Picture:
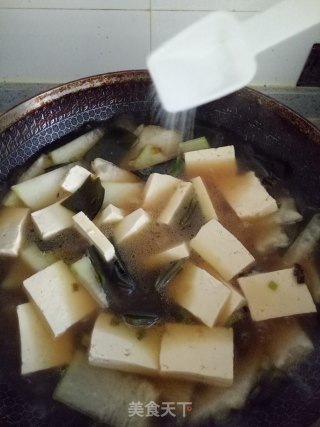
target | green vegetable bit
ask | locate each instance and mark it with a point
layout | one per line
(143, 320)
(194, 145)
(188, 213)
(273, 285)
(168, 273)
(178, 166)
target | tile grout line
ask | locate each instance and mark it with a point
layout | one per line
(130, 10)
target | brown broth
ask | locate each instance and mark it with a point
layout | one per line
(249, 337)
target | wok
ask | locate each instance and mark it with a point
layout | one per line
(291, 146)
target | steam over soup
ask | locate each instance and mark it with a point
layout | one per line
(154, 270)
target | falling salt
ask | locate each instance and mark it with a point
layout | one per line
(182, 121)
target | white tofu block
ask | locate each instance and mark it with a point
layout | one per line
(200, 293)
(59, 297)
(276, 294)
(110, 215)
(175, 253)
(157, 190)
(176, 203)
(12, 225)
(220, 160)
(119, 347)
(131, 225)
(205, 203)
(43, 190)
(39, 349)
(221, 249)
(217, 402)
(247, 196)
(35, 259)
(109, 172)
(92, 233)
(52, 220)
(75, 178)
(198, 353)
(124, 195)
(235, 301)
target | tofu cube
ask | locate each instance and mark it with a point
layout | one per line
(131, 225)
(200, 293)
(110, 215)
(180, 251)
(198, 353)
(157, 190)
(12, 225)
(52, 220)
(176, 203)
(235, 301)
(205, 203)
(59, 297)
(39, 349)
(276, 294)
(95, 236)
(217, 402)
(215, 161)
(75, 178)
(124, 195)
(221, 250)
(117, 346)
(247, 196)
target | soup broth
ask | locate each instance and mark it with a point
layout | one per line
(271, 346)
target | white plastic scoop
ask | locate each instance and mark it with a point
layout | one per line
(216, 55)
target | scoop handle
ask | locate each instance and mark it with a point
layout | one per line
(279, 22)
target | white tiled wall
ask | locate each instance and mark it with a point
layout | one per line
(166, 23)
(60, 45)
(230, 5)
(61, 40)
